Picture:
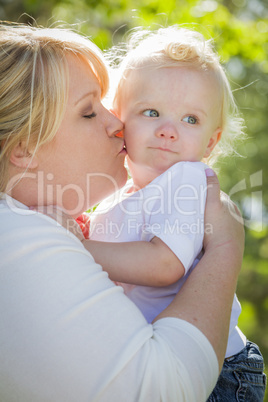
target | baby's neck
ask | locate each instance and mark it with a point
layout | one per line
(141, 179)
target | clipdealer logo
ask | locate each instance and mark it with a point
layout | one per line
(252, 206)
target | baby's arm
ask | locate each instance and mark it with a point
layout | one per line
(139, 263)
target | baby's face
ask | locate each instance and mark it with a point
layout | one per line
(171, 114)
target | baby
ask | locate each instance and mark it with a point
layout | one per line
(176, 103)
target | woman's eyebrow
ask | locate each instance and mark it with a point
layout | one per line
(92, 93)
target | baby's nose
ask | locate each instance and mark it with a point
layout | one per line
(167, 131)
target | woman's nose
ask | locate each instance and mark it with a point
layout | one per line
(114, 125)
(167, 131)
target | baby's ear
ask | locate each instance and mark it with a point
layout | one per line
(22, 158)
(213, 141)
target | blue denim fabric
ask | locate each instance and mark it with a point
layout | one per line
(241, 378)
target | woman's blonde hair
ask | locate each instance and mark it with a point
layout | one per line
(174, 47)
(34, 84)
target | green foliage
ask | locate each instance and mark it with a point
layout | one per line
(240, 30)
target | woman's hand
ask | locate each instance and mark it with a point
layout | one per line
(206, 298)
(223, 222)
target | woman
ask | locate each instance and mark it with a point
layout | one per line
(67, 333)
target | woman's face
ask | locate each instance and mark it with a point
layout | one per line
(85, 161)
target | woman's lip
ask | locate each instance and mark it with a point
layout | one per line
(123, 150)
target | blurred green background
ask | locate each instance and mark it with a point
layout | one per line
(240, 29)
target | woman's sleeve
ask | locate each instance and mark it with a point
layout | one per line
(69, 334)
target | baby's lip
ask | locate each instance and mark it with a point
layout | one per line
(164, 149)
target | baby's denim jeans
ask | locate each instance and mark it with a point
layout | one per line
(242, 377)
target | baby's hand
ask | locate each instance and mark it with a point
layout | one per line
(61, 217)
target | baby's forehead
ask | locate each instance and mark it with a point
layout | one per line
(141, 84)
(144, 70)
(152, 78)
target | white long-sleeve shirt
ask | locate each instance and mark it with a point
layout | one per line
(68, 334)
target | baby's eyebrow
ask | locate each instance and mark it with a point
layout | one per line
(143, 102)
(201, 111)
(195, 109)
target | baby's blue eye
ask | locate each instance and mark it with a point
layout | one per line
(190, 119)
(151, 113)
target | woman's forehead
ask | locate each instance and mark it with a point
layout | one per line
(82, 80)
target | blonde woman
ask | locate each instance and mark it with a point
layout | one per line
(67, 332)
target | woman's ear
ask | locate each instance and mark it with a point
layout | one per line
(22, 158)
(213, 141)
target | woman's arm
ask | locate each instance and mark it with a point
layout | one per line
(206, 298)
(208, 292)
(70, 334)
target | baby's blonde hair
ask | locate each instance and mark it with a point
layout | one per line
(178, 47)
(34, 84)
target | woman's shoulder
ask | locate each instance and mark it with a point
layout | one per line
(21, 227)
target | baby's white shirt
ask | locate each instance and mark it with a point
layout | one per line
(172, 208)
